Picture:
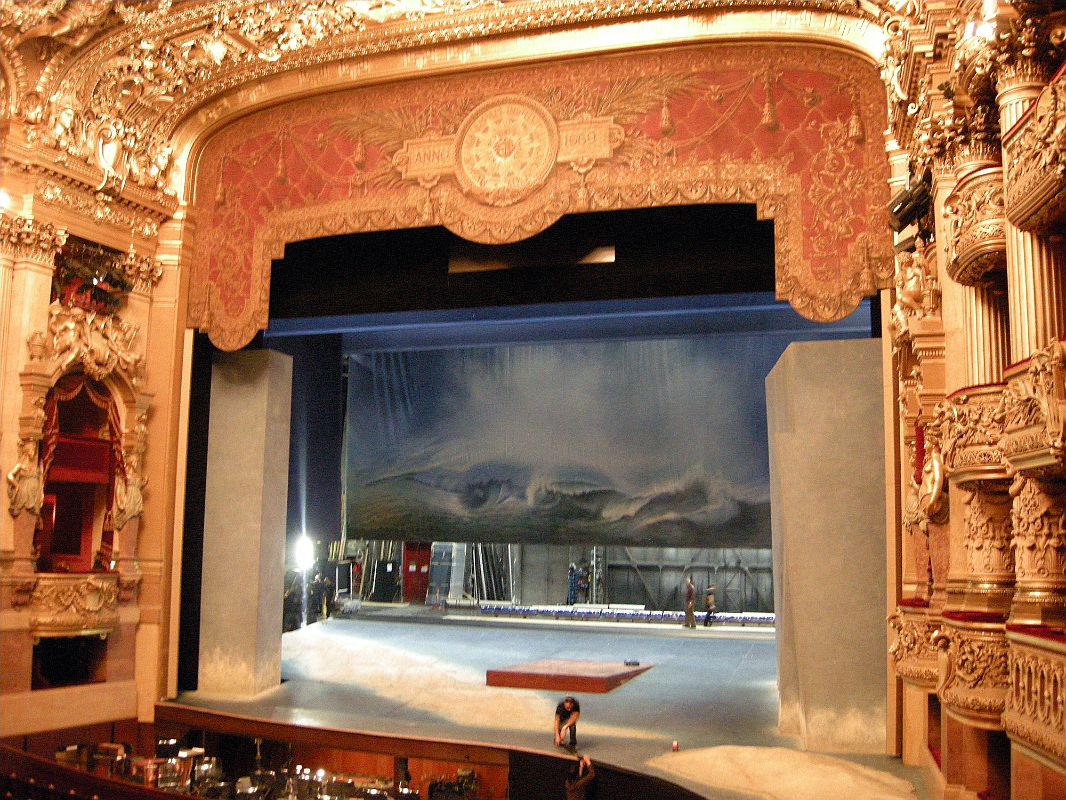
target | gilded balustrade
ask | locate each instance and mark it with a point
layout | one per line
(1035, 713)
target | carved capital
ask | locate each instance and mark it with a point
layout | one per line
(1027, 50)
(25, 239)
(1038, 518)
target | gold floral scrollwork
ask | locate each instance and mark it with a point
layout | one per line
(912, 651)
(72, 605)
(977, 243)
(1034, 431)
(973, 426)
(989, 553)
(24, 238)
(99, 343)
(1035, 710)
(975, 677)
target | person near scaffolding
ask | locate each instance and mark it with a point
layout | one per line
(571, 584)
(712, 606)
(690, 603)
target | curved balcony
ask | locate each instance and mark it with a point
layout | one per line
(1035, 153)
(60, 604)
(1035, 714)
(972, 431)
(978, 238)
(1034, 426)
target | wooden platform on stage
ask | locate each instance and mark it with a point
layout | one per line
(561, 675)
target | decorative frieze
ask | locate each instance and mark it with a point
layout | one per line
(988, 544)
(1035, 713)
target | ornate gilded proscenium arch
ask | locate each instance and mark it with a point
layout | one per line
(500, 156)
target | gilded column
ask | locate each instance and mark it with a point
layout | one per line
(1035, 264)
(1035, 274)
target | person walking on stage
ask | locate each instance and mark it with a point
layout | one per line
(577, 782)
(690, 603)
(712, 607)
(566, 715)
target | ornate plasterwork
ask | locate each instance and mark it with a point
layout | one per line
(99, 207)
(1039, 525)
(1036, 162)
(989, 556)
(73, 605)
(917, 292)
(977, 238)
(1035, 710)
(97, 343)
(678, 127)
(972, 427)
(1034, 430)
(115, 102)
(23, 238)
(976, 676)
(913, 652)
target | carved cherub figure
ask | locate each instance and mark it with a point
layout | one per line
(75, 23)
(129, 491)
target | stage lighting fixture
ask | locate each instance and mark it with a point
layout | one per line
(305, 553)
(908, 205)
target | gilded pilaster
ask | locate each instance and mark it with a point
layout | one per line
(30, 248)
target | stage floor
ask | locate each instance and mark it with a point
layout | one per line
(713, 690)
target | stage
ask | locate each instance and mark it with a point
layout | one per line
(417, 672)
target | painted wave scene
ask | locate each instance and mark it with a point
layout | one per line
(642, 442)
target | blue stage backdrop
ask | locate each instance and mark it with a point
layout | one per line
(643, 442)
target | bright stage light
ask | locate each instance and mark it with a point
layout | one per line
(304, 552)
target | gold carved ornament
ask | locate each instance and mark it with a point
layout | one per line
(912, 651)
(1039, 531)
(1034, 433)
(407, 169)
(1035, 711)
(71, 605)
